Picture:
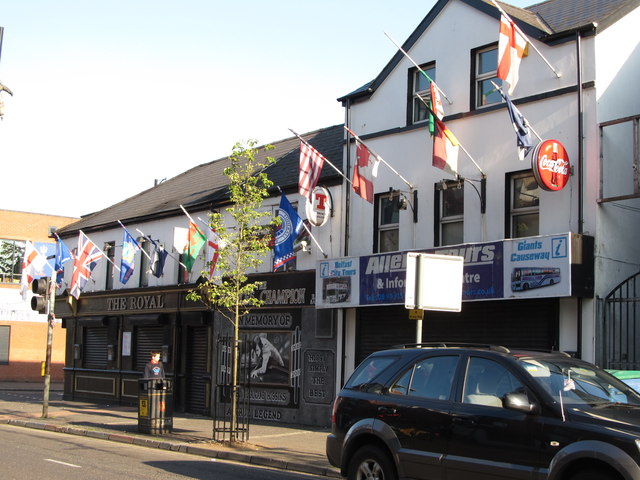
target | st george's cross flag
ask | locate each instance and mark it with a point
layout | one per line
(512, 46)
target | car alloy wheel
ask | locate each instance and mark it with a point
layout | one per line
(371, 463)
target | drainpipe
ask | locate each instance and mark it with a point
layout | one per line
(347, 199)
(579, 168)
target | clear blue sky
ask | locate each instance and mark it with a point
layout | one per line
(109, 96)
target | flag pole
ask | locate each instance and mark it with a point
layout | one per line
(168, 254)
(325, 158)
(139, 247)
(101, 252)
(418, 67)
(459, 143)
(379, 158)
(308, 231)
(503, 96)
(558, 75)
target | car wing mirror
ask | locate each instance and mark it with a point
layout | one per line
(519, 402)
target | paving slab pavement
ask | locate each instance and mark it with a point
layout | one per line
(289, 447)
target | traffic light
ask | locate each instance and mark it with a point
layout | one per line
(40, 301)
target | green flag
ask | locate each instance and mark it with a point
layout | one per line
(196, 240)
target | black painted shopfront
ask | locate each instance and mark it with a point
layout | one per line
(110, 336)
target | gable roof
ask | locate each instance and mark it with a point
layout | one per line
(544, 21)
(206, 186)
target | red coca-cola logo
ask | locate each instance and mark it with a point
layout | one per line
(551, 167)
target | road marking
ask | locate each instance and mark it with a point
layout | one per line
(62, 463)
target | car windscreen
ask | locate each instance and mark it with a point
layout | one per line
(576, 383)
(369, 370)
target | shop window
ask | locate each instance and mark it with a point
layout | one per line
(450, 212)
(485, 68)
(524, 205)
(419, 88)
(110, 252)
(11, 256)
(5, 336)
(387, 223)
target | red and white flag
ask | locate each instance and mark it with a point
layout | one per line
(445, 149)
(214, 244)
(512, 46)
(33, 266)
(311, 163)
(83, 263)
(364, 171)
(436, 101)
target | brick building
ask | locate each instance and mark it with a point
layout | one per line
(23, 332)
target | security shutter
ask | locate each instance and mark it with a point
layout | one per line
(5, 335)
(148, 339)
(527, 323)
(95, 347)
(197, 374)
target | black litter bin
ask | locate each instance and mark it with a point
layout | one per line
(155, 405)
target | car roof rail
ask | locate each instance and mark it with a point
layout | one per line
(497, 348)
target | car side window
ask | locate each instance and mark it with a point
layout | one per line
(429, 378)
(487, 382)
(368, 370)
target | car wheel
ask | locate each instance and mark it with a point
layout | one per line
(371, 463)
(597, 474)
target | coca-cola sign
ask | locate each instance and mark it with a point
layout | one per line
(550, 163)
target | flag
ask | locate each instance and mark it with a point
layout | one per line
(445, 149)
(512, 46)
(63, 255)
(129, 249)
(195, 241)
(83, 264)
(311, 163)
(364, 171)
(214, 244)
(180, 239)
(435, 106)
(158, 258)
(289, 228)
(521, 126)
(33, 266)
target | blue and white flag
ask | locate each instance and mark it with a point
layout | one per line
(129, 249)
(63, 255)
(289, 228)
(520, 125)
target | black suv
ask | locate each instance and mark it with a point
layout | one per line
(468, 412)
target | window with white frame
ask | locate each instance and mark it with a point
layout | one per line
(387, 223)
(450, 212)
(5, 336)
(485, 70)
(524, 205)
(11, 256)
(620, 158)
(420, 92)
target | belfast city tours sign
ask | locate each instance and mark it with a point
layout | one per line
(550, 163)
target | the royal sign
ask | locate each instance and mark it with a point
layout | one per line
(550, 163)
(318, 206)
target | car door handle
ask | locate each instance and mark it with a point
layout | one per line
(387, 411)
(464, 421)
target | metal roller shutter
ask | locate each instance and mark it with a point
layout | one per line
(148, 339)
(198, 377)
(95, 347)
(527, 323)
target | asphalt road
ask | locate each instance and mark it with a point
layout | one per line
(33, 454)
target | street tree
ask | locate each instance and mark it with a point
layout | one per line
(244, 231)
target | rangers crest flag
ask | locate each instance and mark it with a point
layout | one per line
(289, 228)
(83, 263)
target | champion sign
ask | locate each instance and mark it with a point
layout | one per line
(550, 163)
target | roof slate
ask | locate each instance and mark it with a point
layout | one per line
(206, 185)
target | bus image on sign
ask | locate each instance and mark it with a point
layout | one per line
(532, 277)
(337, 291)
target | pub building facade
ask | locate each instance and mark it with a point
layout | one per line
(113, 328)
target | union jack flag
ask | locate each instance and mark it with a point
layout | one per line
(83, 262)
(311, 163)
